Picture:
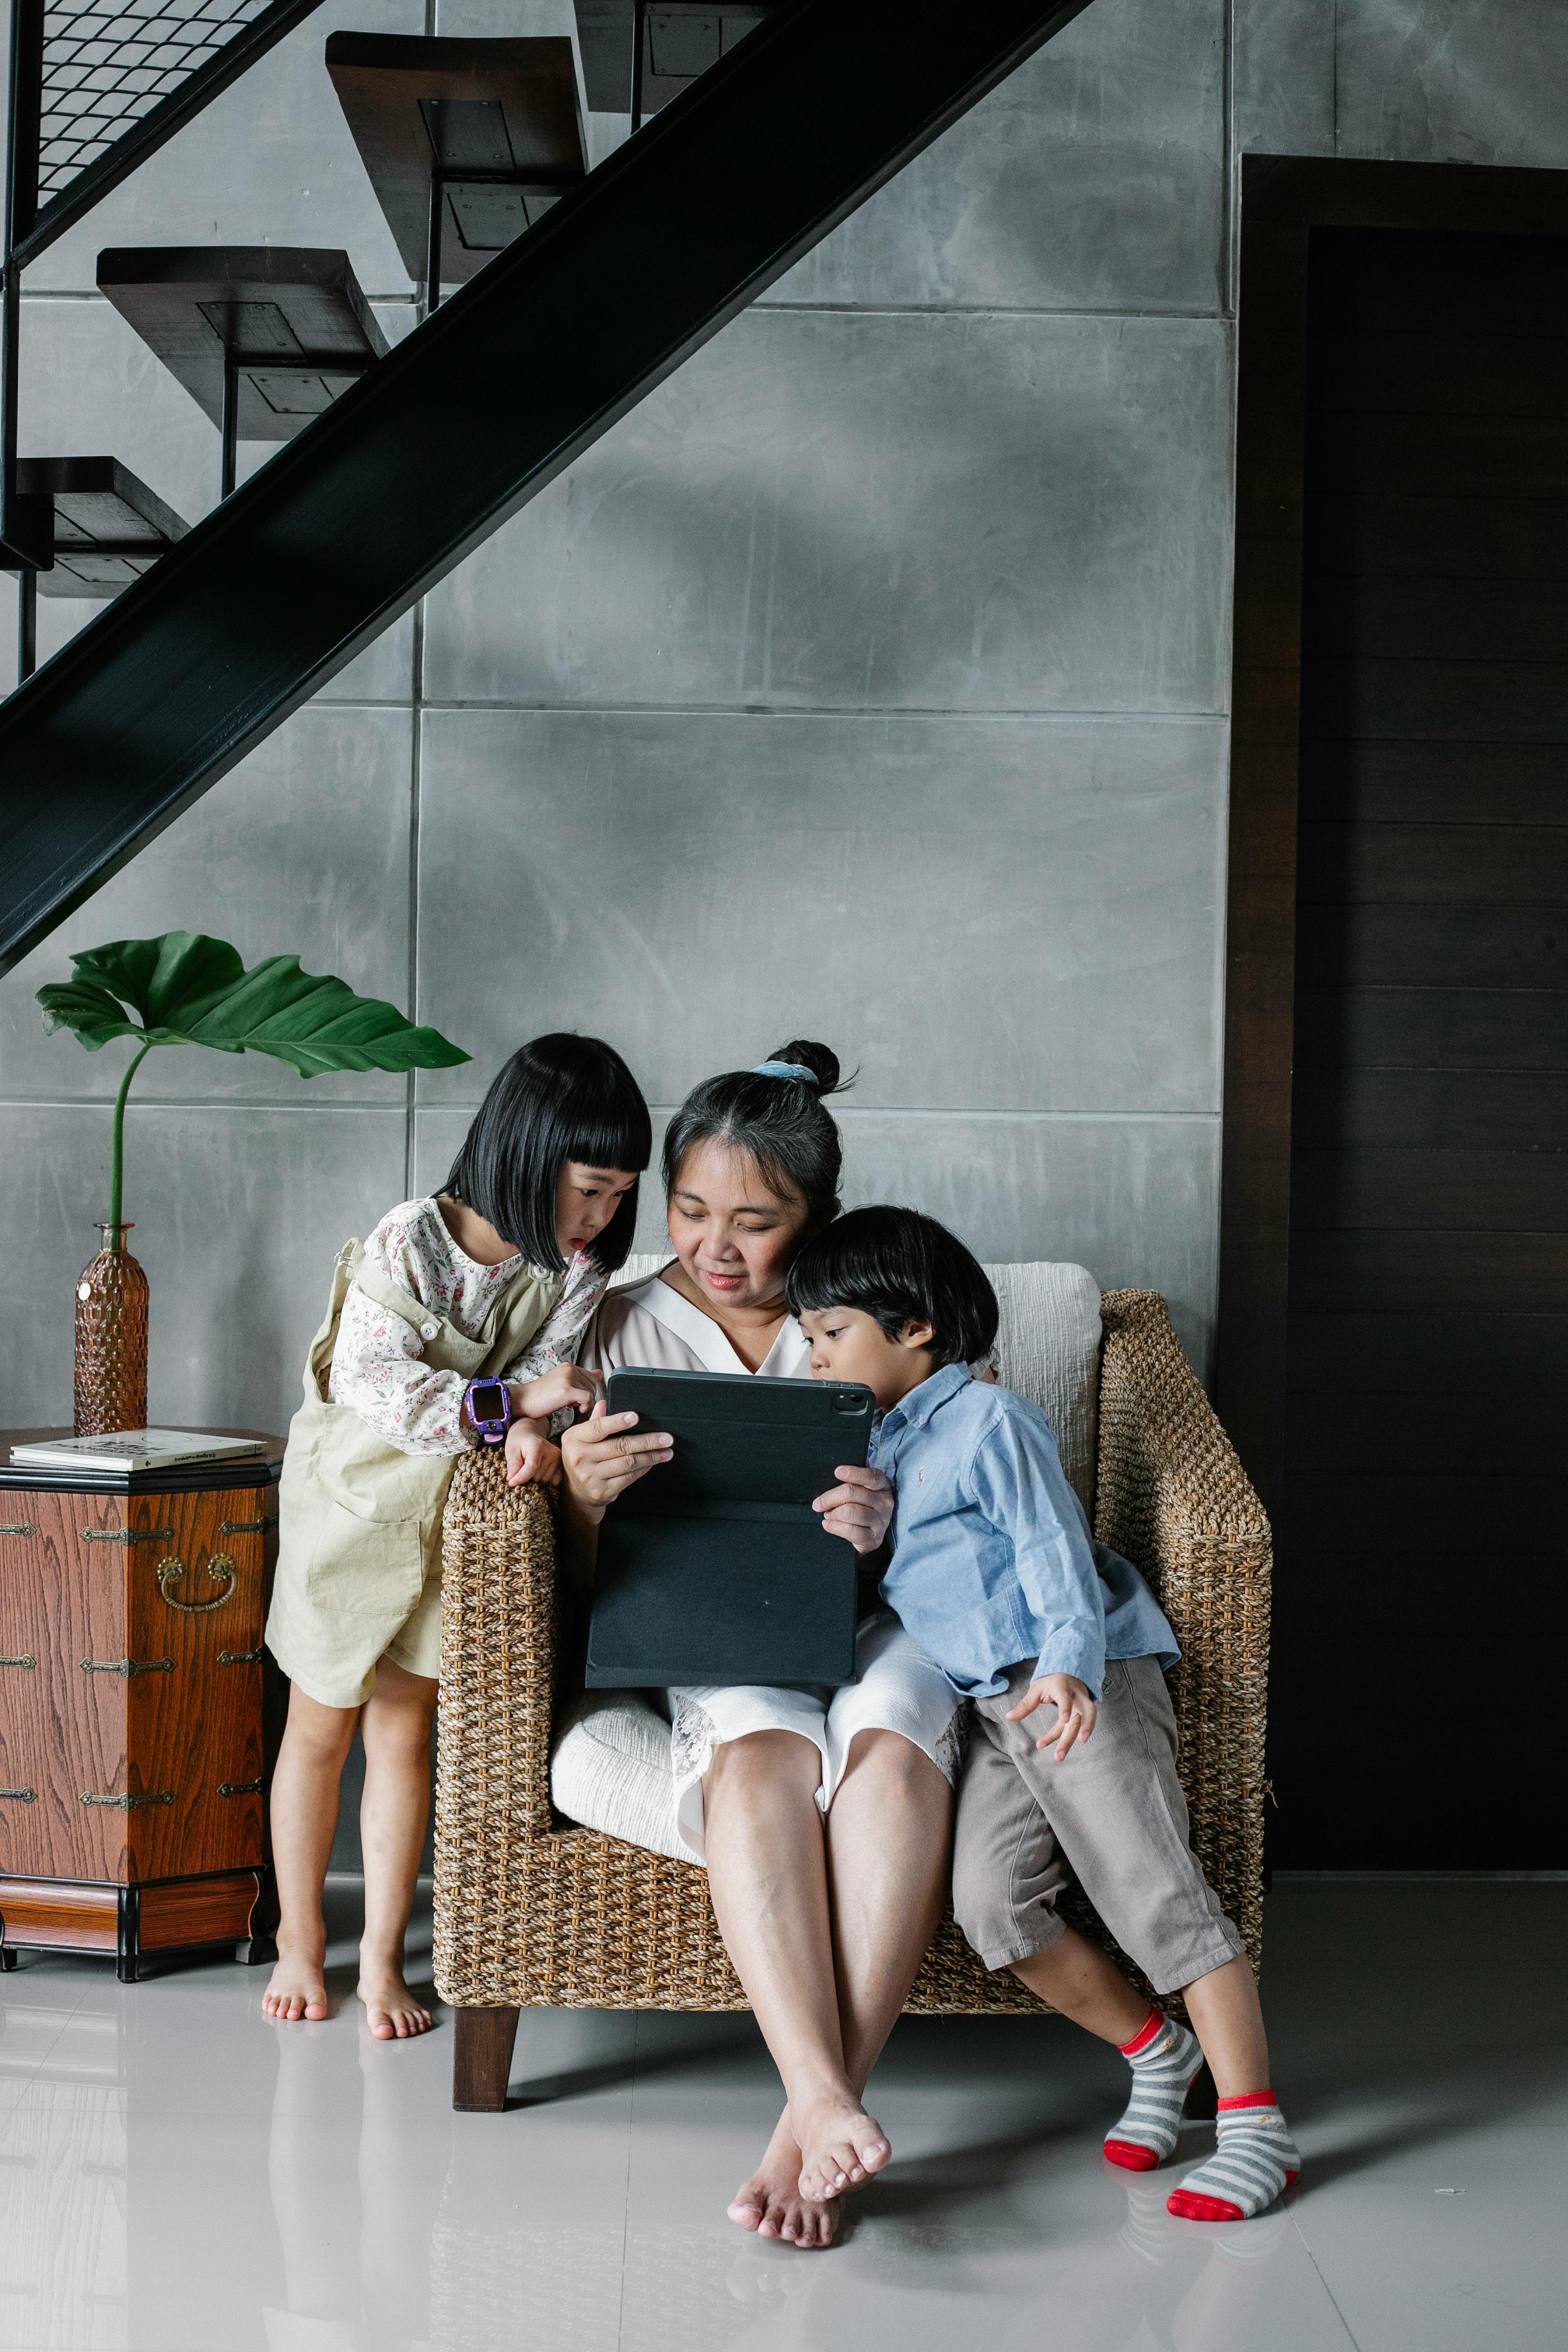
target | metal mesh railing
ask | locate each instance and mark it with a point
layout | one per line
(107, 64)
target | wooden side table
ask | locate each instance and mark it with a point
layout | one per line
(132, 1759)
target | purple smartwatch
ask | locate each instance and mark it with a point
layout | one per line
(488, 1404)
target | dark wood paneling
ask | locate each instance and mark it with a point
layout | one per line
(1354, 617)
(1501, 1110)
(1348, 782)
(1478, 293)
(1517, 375)
(1392, 1273)
(1382, 945)
(1450, 1352)
(1514, 1191)
(1390, 458)
(1469, 1436)
(1431, 1028)
(1473, 457)
(1497, 702)
(1517, 865)
(1515, 539)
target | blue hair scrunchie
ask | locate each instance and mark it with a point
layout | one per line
(795, 1070)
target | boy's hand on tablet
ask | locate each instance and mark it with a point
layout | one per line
(1076, 1711)
(861, 1510)
(602, 1458)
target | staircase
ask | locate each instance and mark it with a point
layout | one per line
(617, 279)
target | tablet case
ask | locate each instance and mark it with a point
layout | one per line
(714, 1569)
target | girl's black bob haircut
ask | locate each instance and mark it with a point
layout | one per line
(779, 1123)
(560, 1097)
(900, 1267)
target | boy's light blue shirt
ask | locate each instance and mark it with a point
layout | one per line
(993, 1558)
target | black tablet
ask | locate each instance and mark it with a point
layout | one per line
(714, 1569)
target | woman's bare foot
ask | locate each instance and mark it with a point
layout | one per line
(391, 2009)
(840, 2145)
(771, 2204)
(298, 1987)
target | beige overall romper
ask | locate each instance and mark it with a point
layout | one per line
(359, 1556)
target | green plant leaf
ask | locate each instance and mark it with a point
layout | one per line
(185, 989)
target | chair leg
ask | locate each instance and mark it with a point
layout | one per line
(481, 2062)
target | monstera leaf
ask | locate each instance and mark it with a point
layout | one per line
(187, 990)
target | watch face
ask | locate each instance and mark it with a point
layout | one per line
(487, 1400)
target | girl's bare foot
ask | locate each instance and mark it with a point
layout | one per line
(840, 2146)
(771, 2204)
(298, 1987)
(391, 2009)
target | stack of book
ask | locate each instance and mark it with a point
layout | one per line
(137, 1457)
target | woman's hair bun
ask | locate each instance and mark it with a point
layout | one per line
(820, 1059)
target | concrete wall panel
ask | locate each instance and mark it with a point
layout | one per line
(237, 1216)
(1460, 82)
(1092, 179)
(303, 850)
(1001, 913)
(851, 511)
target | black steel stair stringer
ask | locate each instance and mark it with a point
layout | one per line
(470, 416)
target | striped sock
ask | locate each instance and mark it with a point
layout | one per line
(1164, 2058)
(1256, 2161)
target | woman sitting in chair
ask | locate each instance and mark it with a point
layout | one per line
(824, 1817)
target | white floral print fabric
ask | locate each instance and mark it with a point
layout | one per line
(377, 1366)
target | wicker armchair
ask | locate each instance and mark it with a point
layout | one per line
(530, 1911)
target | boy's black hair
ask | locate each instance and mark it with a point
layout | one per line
(900, 1267)
(560, 1097)
(780, 1122)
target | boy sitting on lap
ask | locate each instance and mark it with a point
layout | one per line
(994, 1572)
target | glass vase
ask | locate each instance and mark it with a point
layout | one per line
(111, 1341)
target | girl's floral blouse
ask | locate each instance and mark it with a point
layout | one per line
(376, 1365)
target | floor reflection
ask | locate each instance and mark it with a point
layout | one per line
(64, 2248)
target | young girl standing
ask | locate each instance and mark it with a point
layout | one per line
(452, 1327)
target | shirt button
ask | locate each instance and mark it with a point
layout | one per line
(428, 1330)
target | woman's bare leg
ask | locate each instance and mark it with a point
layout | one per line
(393, 1813)
(768, 1876)
(889, 1834)
(305, 1787)
(887, 1843)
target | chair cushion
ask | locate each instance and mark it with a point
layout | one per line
(610, 1769)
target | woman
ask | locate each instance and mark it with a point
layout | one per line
(824, 1818)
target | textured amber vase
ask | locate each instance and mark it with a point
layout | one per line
(111, 1341)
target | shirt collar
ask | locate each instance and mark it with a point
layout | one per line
(919, 1405)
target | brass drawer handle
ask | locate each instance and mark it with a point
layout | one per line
(127, 1804)
(240, 1657)
(242, 1526)
(23, 1796)
(17, 1527)
(240, 1788)
(128, 1666)
(28, 1662)
(220, 1568)
(128, 1535)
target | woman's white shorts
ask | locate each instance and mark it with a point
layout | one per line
(896, 1688)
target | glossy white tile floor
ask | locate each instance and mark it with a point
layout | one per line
(176, 2173)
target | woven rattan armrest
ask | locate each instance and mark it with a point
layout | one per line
(1173, 1498)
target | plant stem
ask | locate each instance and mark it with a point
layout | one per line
(119, 1164)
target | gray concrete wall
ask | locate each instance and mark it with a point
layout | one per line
(870, 681)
